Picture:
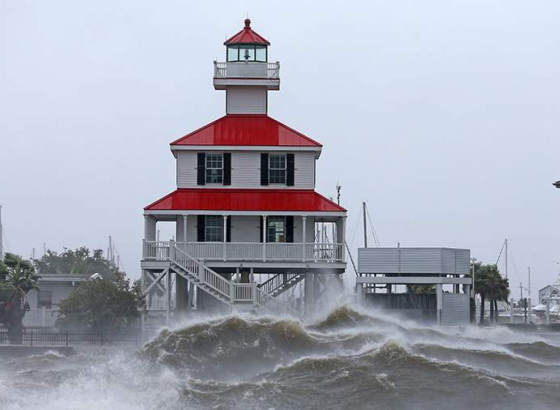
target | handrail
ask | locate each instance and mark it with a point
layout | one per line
(201, 272)
(273, 305)
(277, 281)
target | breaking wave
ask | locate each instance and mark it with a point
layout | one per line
(349, 358)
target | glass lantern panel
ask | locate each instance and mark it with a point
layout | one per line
(261, 53)
(233, 53)
(247, 51)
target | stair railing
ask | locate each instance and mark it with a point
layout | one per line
(201, 272)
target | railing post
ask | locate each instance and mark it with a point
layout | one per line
(232, 292)
(304, 225)
(172, 250)
(225, 238)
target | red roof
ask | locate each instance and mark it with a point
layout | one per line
(279, 200)
(247, 130)
(247, 36)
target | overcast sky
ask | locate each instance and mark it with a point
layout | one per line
(442, 115)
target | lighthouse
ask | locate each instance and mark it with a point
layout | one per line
(251, 232)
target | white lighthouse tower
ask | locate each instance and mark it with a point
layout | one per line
(249, 224)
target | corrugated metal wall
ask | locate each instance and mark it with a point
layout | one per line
(455, 309)
(414, 260)
(246, 100)
(246, 171)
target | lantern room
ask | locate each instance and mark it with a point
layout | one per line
(247, 65)
(247, 46)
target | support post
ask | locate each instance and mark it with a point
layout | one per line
(511, 320)
(439, 300)
(309, 292)
(225, 238)
(547, 313)
(304, 237)
(185, 226)
(264, 229)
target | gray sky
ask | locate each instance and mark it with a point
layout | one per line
(443, 115)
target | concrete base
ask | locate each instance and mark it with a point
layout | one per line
(25, 351)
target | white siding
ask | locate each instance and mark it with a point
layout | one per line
(246, 100)
(246, 171)
(186, 169)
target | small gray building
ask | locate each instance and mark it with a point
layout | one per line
(422, 283)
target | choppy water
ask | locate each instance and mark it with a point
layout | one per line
(349, 360)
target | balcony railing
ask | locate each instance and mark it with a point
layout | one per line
(270, 71)
(247, 251)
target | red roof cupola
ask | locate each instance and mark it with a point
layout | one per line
(247, 36)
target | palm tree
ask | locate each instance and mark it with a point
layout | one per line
(19, 278)
(491, 286)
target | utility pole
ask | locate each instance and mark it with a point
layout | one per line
(529, 287)
(506, 258)
(365, 224)
(1, 236)
(338, 187)
(521, 290)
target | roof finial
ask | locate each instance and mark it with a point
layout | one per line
(247, 22)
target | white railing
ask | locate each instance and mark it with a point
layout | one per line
(250, 251)
(156, 250)
(243, 292)
(249, 69)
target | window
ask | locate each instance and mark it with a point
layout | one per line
(277, 169)
(44, 299)
(214, 228)
(276, 229)
(214, 168)
(253, 52)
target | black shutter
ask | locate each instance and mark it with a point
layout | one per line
(290, 229)
(201, 169)
(264, 169)
(200, 228)
(290, 171)
(227, 168)
(228, 234)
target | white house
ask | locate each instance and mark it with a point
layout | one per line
(44, 302)
(249, 223)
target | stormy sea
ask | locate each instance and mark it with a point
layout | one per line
(348, 359)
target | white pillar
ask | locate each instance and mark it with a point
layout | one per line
(185, 226)
(225, 238)
(439, 300)
(168, 296)
(304, 238)
(265, 228)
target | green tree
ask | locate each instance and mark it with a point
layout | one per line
(107, 304)
(18, 278)
(79, 261)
